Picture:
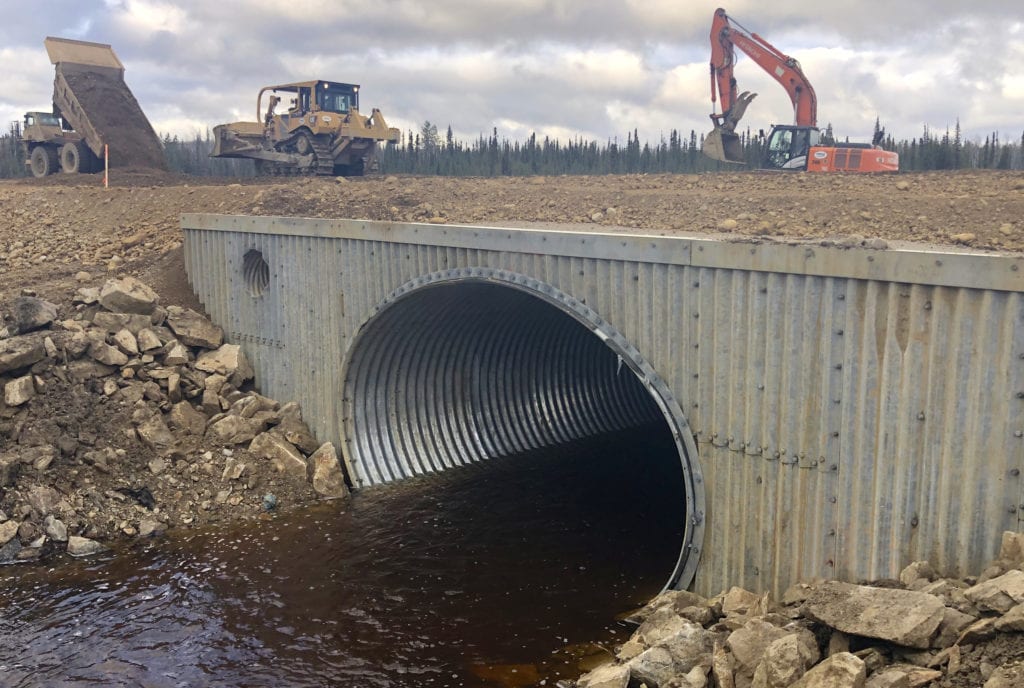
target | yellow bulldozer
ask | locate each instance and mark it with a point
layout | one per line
(320, 133)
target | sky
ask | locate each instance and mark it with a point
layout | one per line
(560, 68)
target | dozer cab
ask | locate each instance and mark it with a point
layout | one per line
(320, 133)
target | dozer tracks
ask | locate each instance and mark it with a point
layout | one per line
(324, 163)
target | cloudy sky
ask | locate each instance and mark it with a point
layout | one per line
(596, 68)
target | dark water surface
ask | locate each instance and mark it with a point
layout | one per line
(488, 575)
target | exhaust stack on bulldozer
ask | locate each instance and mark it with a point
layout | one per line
(321, 133)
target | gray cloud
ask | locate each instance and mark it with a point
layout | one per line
(598, 68)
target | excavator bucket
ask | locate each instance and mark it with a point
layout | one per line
(723, 146)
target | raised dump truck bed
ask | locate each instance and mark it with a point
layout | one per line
(91, 95)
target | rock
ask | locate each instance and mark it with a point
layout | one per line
(115, 322)
(149, 527)
(83, 547)
(998, 594)
(1011, 621)
(653, 667)
(43, 500)
(10, 467)
(183, 416)
(55, 529)
(155, 434)
(797, 594)
(297, 432)
(285, 457)
(1011, 550)
(82, 276)
(233, 430)
(916, 571)
(126, 342)
(88, 369)
(839, 671)
(194, 329)
(903, 617)
(148, 340)
(877, 244)
(607, 676)
(902, 185)
(739, 602)
(157, 466)
(728, 225)
(128, 295)
(233, 469)
(889, 678)
(328, 480)
(749, 643)
(229, 360)
(19, 391)
(963, 237)
(978, 632)
(106, 354)
(177, 355)
(952, 625)
(31, 313)
(1007, 676)
(8, 530)
(785, 660)
(20, 352)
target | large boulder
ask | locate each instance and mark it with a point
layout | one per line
(20, 352)
(31, 313)
(229, 360)
(194, 329)
(233, 430)
(998, 594)
(903, 617)
(841, 670)
(128, 295)
(83, 547)
(328, 480)
(285, 457)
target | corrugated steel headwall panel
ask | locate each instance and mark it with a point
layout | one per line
(854, 411)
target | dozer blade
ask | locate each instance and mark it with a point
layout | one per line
(723, 146)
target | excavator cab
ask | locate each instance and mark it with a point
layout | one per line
(787, 147)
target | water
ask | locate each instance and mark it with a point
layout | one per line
(497, 574)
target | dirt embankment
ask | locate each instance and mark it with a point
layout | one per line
(55, 227)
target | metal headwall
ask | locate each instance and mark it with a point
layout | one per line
(838, 412)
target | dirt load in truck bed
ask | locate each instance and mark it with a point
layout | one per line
(55, 227)
(115, 114)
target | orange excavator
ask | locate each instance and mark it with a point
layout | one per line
(789, 147)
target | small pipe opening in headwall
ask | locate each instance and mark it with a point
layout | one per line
(459, 372)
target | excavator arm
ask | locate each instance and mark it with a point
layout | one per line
(726, 36)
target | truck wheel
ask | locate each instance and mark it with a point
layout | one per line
(75, 158)
(43, 161)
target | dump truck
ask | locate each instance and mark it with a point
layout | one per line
(321, 132)
(93, 109)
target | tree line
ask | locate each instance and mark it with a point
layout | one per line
(425, 152)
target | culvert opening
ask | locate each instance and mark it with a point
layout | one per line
(458, 371)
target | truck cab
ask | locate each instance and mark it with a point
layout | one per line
(41, 126)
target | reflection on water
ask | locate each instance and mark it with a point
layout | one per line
(489, 575)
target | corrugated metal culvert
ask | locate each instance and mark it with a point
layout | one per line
(839, 413)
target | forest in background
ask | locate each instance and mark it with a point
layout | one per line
(426, 152)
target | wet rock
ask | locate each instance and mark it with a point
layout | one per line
(903, 617)
(31, 313)
(840, 671)
(128, 295)
(8, 530)
(285, 457)
(55, 529)
(607, 676)
(149, 527)
(20, 352)
(194, 329)
(83, 547)
(233, 430)
(328, 480)
(998, 594)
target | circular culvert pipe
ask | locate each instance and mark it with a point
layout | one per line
(471, 364)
